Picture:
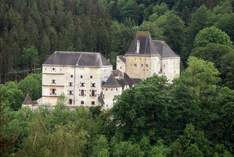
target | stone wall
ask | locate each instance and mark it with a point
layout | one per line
(142, 67)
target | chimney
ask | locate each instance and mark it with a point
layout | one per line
(138, 47)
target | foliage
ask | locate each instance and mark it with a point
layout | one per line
(31, 85)
(193, 116)
(212, 35)
(222, 56)
(11, 95)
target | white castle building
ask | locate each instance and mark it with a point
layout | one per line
(88, 79)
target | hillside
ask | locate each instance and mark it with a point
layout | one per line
(190, 117)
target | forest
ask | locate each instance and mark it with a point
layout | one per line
(191, 117)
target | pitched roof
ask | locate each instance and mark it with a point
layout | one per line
(112, 82)
(77, 59)
(144, 45)
(122, 58)
(163, 49)
(28, 100)
(118, 79)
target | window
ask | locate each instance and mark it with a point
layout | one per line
(71, 76)
(135, 65)
(93, 93)
(53, 69)
(93, 102)
(81, 92)
(70, 101)
(82, 84)
(91, 76)
(53, 91)
(53, 81)
(93, 85)
(146, 65)
(142, 65)
(82, 102)
(81, 76)
(70, 84)
(70, 92)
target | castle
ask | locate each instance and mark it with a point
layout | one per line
(88, 79)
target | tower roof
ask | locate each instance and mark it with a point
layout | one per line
(143, 44)
(77, 59)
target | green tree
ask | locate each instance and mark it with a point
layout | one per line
(191, 143)
(226, 24)
(143, 110)
(101, 147)
(211, 35)
(123, 149)
(193, 151)
(222, 56)
(159, 150)
(11, 95)
(30, 57)
(31, 85)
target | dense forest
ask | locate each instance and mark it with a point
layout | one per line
(191, 117)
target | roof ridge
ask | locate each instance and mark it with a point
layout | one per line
(82, 52)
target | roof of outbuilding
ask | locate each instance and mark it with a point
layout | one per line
(118, 79)
(77, 59)
(147, 46)
(28, 100)
(122, 58)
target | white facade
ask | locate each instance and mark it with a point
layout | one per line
(84, 77)
(81, 85)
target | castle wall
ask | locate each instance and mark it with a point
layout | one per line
(70, 81)
(120, 64)
(171, 68)
(57, 78)
(142, 67)
(109, 94)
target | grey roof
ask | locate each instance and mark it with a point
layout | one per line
(77, 59)
(28, 100)
(122, 58)
(118, 79)
(163, 49)
(149, 46)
